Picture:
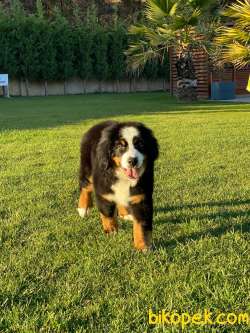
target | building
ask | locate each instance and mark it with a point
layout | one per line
(205, 75)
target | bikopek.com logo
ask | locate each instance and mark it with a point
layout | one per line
(206, 317)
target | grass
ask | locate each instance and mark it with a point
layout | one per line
(59, 273)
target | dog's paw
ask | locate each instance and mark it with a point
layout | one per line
(110, 232)
(148, 249)
(145, 250)
(83, 212)
(127, 217)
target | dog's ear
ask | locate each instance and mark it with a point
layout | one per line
(154, 146)
(105, 147)
(152, 143)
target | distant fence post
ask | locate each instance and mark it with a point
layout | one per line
(4, 82)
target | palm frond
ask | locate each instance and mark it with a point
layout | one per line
(139, 30)
(139, 53)
(234, 42)
(230, 34)
(202, 4)
(237, 54)
(239, 11)
(188, 19)
(158, 10)
(153, 37)
(170, 23)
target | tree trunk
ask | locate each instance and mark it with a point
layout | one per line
(186, 78)
(84, 86)
(99, 86)
(20, 86)
(64, 88)
(46, 88)
(26, 86)
(117, 86)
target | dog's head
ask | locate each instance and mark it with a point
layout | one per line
(128, 147)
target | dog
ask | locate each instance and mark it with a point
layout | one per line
(117, 163)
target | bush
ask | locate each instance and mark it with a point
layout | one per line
(83, 52)
(100, 55)
(35, 48)
(64, 48)
(118, 43)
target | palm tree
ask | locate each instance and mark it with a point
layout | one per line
(234, 41)
(180, 25)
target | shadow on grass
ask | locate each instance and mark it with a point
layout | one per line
(224, 217)
(213, 232)
(47, 112)
(225, 214)
(203, 204)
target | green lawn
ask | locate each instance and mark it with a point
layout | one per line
(59, 273)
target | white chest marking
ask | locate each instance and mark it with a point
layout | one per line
(121, 190)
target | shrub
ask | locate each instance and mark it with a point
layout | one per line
(100, 55)
(33, 47)
(83, 52)
(118, 42)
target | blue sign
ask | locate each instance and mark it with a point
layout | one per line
(4, 80)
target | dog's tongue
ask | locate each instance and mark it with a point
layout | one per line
(132, 172)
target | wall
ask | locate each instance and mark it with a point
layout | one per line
(78, 86)
(239, 76)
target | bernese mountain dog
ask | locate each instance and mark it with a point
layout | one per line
(117, 163)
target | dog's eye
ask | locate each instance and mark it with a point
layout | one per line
(138, 143)
(122, 143)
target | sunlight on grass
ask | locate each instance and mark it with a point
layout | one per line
(59, 273)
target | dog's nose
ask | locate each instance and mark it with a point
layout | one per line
(132, 161)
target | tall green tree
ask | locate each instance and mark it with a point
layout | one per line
(35, 47)
(117, 43)
(47, 56)
(8, 47)
(83, 53)
(64, 45)
(100, 55)
(172, 24)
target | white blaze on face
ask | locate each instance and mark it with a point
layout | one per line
(128, 133)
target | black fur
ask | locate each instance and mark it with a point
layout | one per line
(97, 148)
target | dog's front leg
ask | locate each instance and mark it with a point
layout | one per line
(85, 200)
(142, 233)
(142, 225)
(108, 216)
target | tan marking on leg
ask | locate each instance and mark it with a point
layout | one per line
(135, 199)
(122, 211)
(142, 238)
(85, 200)
(109, 224)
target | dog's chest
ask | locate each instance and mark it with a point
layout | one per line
(121, 192)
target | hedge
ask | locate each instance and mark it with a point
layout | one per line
(34, 48)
